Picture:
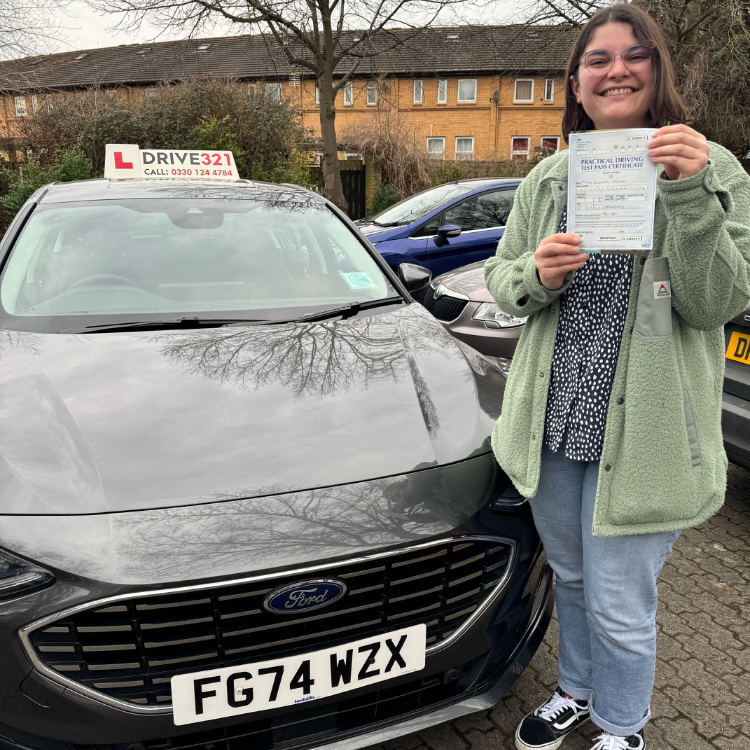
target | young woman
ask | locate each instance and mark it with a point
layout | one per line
(611, 421)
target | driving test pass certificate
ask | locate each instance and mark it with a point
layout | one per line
(611, 190)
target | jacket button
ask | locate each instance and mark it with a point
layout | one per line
(607, 467)
(541, 374)
(533, 437)
(621, 400)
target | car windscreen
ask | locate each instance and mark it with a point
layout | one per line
(89, 263)
(418, 206)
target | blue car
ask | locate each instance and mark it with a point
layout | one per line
(444, 227)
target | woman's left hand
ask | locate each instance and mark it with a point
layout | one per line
(682, 150)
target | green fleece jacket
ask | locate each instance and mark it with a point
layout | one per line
(663, 465)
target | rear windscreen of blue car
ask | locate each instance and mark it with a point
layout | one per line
(414, 208)
(185, 256)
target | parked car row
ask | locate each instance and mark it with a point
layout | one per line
(440, 230)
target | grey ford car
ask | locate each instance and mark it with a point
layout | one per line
(247, 495)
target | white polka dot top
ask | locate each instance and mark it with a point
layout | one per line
(589, 331)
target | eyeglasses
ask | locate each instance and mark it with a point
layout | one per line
(601, 60)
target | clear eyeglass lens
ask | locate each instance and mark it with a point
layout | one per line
(635, 58)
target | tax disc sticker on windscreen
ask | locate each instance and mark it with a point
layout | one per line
(358, 280)
(129, 162)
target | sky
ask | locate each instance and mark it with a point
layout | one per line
(85, 29)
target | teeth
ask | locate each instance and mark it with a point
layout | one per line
(612, 92)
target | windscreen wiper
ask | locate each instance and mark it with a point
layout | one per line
(346, 311)
(175, 323)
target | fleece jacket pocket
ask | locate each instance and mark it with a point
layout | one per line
(653, 319)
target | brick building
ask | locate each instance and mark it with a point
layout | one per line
(493, 92)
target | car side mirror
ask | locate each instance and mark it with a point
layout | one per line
(447, 230)
(414, 277)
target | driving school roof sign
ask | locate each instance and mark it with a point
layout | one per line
(129, 162)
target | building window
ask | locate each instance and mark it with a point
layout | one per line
(50, 105)
(274, 91)
(317, 94)
(442, 91)
(417, 92)
(152, 91)
(252, 88)
(524, 93)
(436, 148)
(34, 104)
(551, 142)
(318, 158)
(348, 94)
(20, 106)
(464, 148)
(467, 90)
(372, 92)
(519, 147)
(549, 90)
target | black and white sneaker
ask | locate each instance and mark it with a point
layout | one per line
(547, 726)
(613, 742)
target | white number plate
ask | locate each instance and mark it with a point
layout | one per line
(231, 691)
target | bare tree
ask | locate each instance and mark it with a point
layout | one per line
(26, 27)
(710, 46)
(330, 39)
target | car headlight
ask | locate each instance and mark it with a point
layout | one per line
(489, 311)
(19, 577)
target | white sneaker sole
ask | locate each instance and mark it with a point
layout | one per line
(521, 745)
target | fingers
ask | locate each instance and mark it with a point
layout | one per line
(696, 140)
(552, 249)
(565, 259)
(564, 237)
(671, 129)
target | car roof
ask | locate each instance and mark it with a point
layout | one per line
(481, 182)
(100, 189)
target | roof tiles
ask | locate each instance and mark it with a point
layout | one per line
(440, 50)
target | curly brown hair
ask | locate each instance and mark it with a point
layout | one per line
(666, 107)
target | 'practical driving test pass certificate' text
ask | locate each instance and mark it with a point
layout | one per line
(611, 190)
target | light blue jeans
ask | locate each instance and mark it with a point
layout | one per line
(606, 597)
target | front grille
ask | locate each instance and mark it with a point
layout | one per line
(444, 308)
(307, 725)
(130, 648)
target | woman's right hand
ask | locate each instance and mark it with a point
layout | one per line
(555, 256)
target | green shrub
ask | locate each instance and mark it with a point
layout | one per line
(260, 130)
(33, 174)
(385, 195)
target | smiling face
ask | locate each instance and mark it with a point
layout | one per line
(618, 97)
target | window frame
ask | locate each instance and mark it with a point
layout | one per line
(444, 100)
(20, 100)
(348, 88)
(527, 152)
(455, 147)
(458, 91)
(516, 100)
(417, 83)
(276, 89)
(549, 138)
(548, 82)
(317, 94)
(435, 138)
(372, 87)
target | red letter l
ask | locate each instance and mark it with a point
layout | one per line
(120, 164)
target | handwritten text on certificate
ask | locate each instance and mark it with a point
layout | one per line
(611, 190)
